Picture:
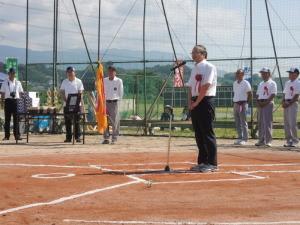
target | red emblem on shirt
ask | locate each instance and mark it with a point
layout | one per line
(198, 78)
(292, 90)
(266, 91)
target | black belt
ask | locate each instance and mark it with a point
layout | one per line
(288, 100)
(194, 98)
(110, 101)
(262, 100)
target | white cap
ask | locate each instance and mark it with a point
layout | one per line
(265, 70)
(293, 70)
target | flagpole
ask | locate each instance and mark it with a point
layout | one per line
(144, 66)
(26, 59)
(197, 13)
(99, 26)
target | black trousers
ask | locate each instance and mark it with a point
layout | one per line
(202, 118)
(10, 109)
(70, 120)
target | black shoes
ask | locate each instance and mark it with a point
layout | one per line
(105, 142)
(67, 140)
(5, 139)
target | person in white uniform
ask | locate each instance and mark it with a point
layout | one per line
(113, 87)
(266, 91)
(241, 96)
(11, 90)
(290, 107)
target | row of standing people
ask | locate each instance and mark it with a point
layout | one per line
(12, 89)
(266, 92)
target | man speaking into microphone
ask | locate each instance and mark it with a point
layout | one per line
(203, 85)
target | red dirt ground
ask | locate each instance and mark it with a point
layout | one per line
(252, 185)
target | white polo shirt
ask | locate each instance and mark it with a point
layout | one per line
(113, 88)
(9, 86)
(71, 87)
(291, 88)
(203, 73)
(240, 90)
(266, 89)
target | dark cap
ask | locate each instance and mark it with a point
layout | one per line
(112, 68)
(12, 70)
(293, 70)
(70, 69)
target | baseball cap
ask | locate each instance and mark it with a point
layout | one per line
(12, 70)
(265, 70)
(293, 70)
(70, 69)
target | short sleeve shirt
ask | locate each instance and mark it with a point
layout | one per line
(240, 90)
(203, 73)
(266, 89)
(9, 86)
(71, 87)
(291, 88)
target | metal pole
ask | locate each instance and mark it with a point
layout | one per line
(56, 38)
(82, 34)
(170, 36)
(197, 13)
(99, 26)
(273, 43)
(26, 57)
(54, 51)
(251, 69)
(144, 66)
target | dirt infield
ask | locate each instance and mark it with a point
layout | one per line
(49, 182)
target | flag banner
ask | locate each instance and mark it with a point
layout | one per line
(178, 76)
(101, 116)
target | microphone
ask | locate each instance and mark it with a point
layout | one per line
(179, 65)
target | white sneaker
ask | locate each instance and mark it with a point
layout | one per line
(269, 144)
(243, 143)
(237, 142)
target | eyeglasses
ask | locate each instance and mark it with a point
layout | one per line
(195, 53)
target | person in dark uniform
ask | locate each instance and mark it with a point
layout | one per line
(11, 90)
(203, 84)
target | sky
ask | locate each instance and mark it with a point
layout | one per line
(223, 26)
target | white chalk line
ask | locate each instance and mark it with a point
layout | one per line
(43, 165)
(53, 175)
(259, 165)
(68, 198)
(179, 222)
(143, 164)
(204, 181)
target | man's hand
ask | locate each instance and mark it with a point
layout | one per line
(285, 104)
(194, 104)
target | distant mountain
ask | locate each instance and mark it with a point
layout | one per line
(80, 55)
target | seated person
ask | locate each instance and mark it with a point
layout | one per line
(167, 114)
(186, 115)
